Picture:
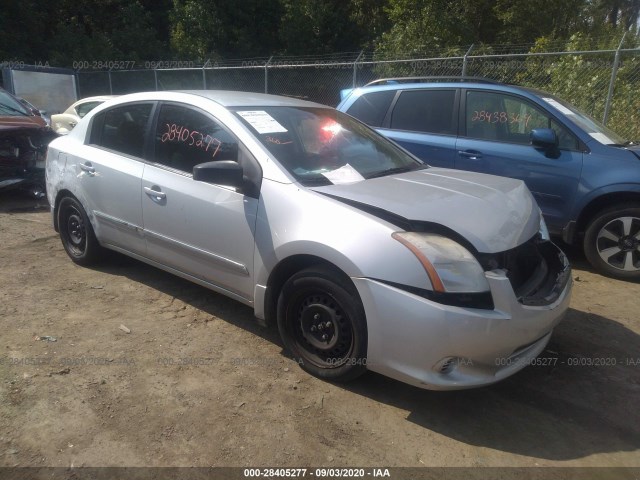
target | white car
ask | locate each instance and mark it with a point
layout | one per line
(364, 256)
(63, 123)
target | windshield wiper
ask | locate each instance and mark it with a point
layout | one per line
(391, 171)
(315, 181)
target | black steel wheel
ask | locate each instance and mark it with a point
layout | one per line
(321, 321)
(76, 232)
(612, 242)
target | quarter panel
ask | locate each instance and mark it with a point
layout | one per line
(292, 220)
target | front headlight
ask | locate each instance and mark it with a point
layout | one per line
(544, 231)
(449, 266)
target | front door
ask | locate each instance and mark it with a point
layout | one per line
(200, 229)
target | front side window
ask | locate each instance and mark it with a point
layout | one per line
(371, 108)
(428, 111)
(322, 146)
(505, 118)
(185, 138)
(122, 128)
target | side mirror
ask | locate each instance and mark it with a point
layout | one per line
(545, 138)
(223, 172)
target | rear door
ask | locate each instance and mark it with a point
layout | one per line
(495, 139)
(425, 123)
(200, 229)
(109, 174)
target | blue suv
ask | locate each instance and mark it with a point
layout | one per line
(585, 178)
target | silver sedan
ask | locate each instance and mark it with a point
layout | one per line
(365, 257)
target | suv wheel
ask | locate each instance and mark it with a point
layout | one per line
(612, 242)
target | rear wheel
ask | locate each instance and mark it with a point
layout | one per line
(321, 321)
(76, 232)
(612, 242)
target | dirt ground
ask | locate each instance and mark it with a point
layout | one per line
(197, 382)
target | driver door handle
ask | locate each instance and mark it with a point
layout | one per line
(470, 154)
(155, 194)
(87, 167)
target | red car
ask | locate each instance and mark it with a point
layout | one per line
(23, 144)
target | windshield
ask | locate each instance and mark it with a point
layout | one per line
(321, 146)
(590, 125)
(9, 106)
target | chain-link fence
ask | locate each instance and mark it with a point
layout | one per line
(602, 83)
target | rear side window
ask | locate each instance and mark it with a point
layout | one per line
(122, 128)
(371, 108)
(185, 138)
(429, 111)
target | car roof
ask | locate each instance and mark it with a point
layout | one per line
(98, 98)
(228, 98)
(224, 98)
(498, 87)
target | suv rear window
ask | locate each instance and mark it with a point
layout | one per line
(371, 108)
(429, 111)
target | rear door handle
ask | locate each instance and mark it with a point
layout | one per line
(470, 154)
(87, 167)
(155, 194)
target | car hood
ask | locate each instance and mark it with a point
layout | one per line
(493, 213)
(635, 149)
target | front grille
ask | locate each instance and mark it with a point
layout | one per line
(537, 270)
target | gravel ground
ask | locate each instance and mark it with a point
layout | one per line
(196, 382)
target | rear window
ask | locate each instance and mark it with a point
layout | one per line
(371, 108)
(428, 111)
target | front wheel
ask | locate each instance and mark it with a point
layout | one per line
(76, 232)
(612, 242)
(322, 322)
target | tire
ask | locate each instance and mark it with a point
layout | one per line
(612, 242)
(308, 301)
(76, 233)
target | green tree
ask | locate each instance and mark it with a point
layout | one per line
(423, 25)
(25, 27)
(109, 30)
(525, 22)
(204, 29)
(318, 27)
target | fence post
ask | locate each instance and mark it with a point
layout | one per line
(155, 77)
(266, 75)
(614, 73)
(355, 67)
(110, 84)
(464, 60)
